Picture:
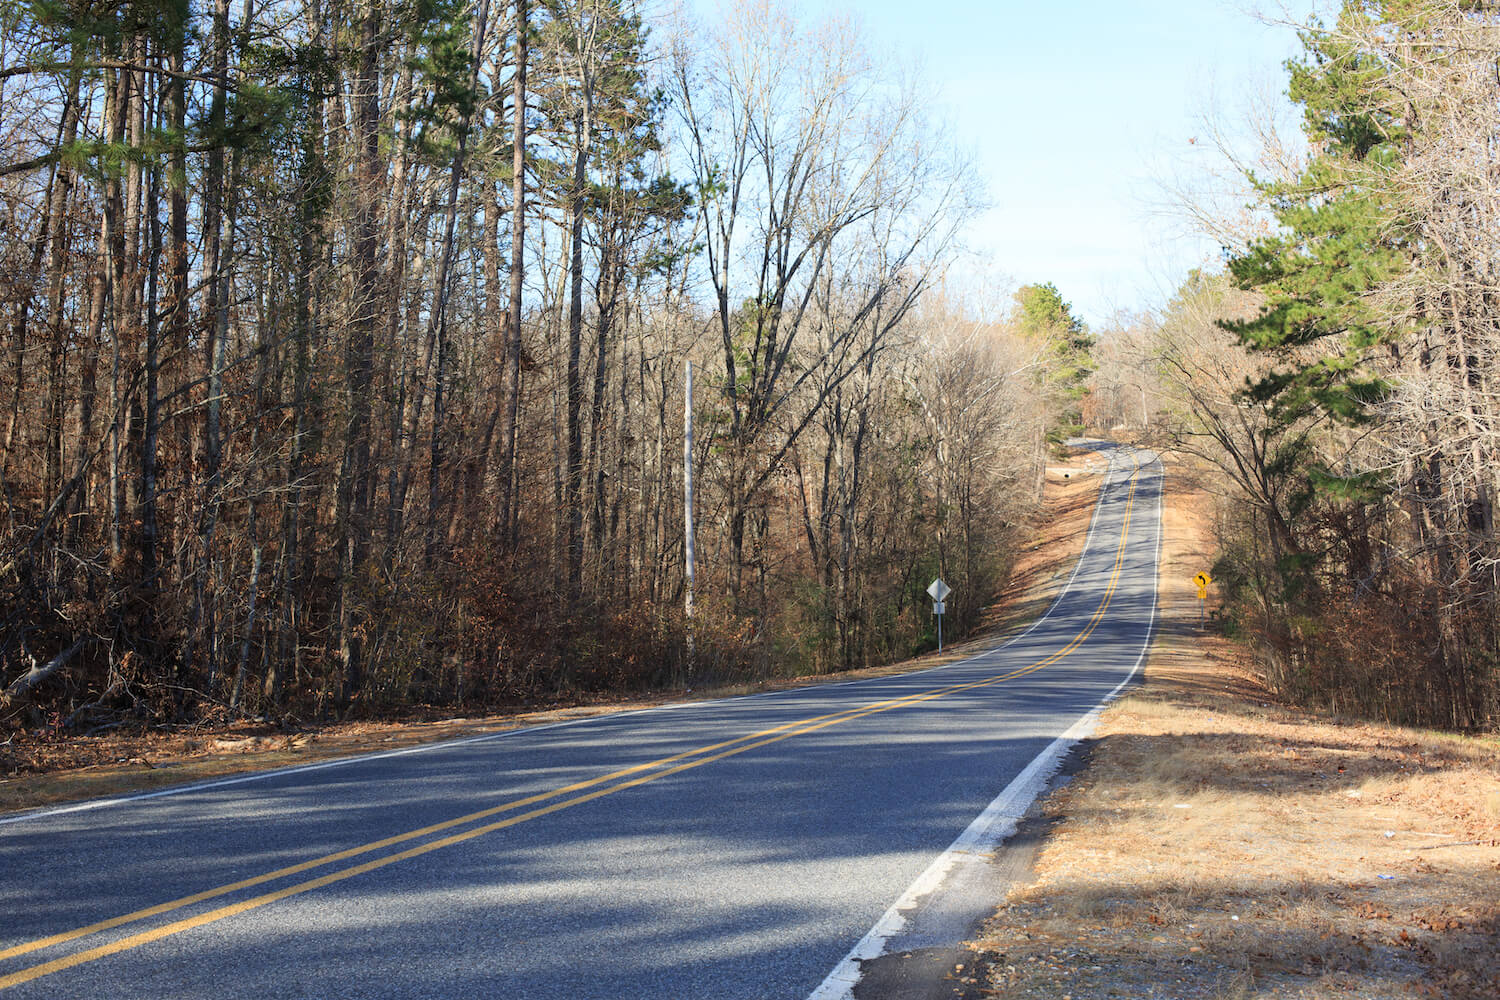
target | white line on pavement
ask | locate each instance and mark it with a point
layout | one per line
(991, 827)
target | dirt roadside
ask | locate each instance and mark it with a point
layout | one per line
(39, 769)
(1221, 845)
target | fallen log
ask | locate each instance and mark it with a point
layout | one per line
(39, 673)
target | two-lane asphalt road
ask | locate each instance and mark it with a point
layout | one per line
(725, 849)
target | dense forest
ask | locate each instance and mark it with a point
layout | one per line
(1340, 372)
(345, 352)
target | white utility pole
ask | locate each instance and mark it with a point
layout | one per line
(687, 506)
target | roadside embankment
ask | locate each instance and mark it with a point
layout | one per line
(1222, 845)
(46, 768)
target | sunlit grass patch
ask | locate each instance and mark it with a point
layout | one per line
(1222, 845)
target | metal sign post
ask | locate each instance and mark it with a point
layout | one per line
(939, 591)
(1202, 580)
(687, 512)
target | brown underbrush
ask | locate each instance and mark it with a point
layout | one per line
(49, 763)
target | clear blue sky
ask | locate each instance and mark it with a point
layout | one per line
(1071, 110)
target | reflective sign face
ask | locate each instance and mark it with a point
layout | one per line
(1203, 580)
(1202, 593)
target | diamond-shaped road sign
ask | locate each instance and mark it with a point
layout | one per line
(939, 590)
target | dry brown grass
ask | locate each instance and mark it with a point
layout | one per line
(1222, 845)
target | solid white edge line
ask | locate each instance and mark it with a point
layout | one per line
(998, 820)
(201, 786)
(274, 772)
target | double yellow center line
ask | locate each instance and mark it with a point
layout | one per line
(523, 810)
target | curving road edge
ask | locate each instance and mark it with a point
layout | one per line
(943, 905)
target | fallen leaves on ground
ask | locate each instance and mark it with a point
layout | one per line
(1223, 846)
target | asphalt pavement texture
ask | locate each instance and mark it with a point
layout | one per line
(725, 849)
